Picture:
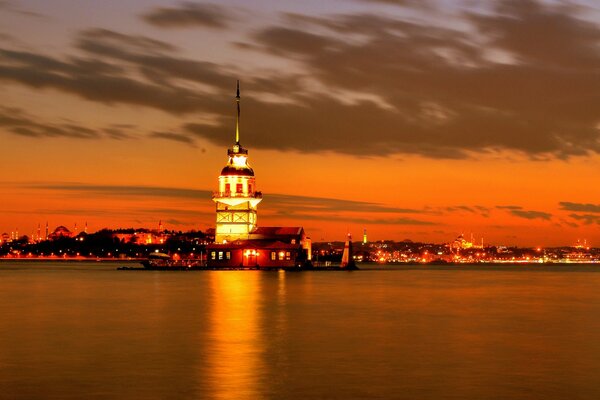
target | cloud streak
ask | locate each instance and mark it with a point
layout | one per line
(188, 15)
(580, 207)
(531, 214)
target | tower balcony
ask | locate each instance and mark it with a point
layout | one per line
(221, 195)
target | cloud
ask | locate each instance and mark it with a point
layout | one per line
(531, 214)
(188, 15)
(402, 3)
(509, 207)
(18, 122)
(587, 219)
(121, 69)
(363, 84)
(321, 204)
(451, 96)
(580, 207)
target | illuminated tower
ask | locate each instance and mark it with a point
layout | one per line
(365, 236)
(237, 198)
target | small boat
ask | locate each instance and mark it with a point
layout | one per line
(157, 261)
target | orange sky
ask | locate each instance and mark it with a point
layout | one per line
(121, 115)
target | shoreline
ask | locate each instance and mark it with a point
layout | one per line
(316, 267)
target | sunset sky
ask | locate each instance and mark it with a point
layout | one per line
(413, 119)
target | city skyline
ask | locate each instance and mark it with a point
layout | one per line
(414, 120)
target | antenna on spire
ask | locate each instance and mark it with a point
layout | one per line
(237, 121)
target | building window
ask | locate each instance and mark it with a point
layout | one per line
(250, 188)
(213, 255)
(228, 255)
(293, 241)
(227, 188)
(287, 255)
(220, 255)
(281, 254)
(273, 256)
(239, 187)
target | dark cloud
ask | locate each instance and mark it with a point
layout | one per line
(117, 133)
(439, 92)
(509, 207)
(522, 78)
(18, 122)
(531, 214)
(321, 204)
(189, 14)
(121, 69)
(587, 219)
(580, 207)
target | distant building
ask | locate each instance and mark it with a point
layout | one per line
(239, 242)
(60, 232)
(460, 243)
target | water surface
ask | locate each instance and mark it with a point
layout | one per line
(85, 330)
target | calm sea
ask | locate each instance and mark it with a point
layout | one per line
(87, 331)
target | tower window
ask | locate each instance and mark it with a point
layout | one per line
(239, 188)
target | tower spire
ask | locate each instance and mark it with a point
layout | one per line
(237, 121)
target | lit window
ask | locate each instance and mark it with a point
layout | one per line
(213, 255)
(220, 255)
(293, 241)
(273, 256)
(239, 187)
(228, 255)
(281, 254)
(287, 255)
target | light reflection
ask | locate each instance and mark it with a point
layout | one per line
(235, 343)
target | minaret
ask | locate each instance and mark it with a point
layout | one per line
(237, 198)
(46, 231)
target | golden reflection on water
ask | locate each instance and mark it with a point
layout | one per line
(233, 360)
